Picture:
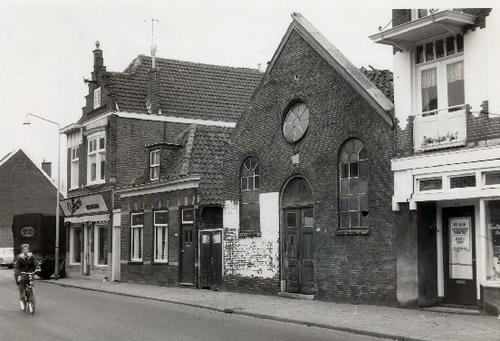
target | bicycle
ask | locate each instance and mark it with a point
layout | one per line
(29, 296)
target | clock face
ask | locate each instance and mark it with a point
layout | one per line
(296, 122)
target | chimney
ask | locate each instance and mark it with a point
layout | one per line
(153, 99)
(98, 60)
(47, 168)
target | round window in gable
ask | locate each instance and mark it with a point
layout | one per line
(296, 122)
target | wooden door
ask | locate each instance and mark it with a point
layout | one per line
(187, 254)
(298, 250)
(459, 256)
(211, 259)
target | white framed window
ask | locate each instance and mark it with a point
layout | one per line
(97, 98)
(96, 160)
(492, 216)
(440, 85)
(100, 245)
(75, 240)
(430, 184)
(161, 236)
(75, 167)
(136, 235)
(187, 215)
(439, 69)
(154, 164)
(491, 178)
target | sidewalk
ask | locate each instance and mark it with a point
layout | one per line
(395, 323)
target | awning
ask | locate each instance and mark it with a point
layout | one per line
(403, 36)
(101, 218)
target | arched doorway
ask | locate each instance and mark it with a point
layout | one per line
(297, 236)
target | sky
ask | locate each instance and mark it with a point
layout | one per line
(46, 48)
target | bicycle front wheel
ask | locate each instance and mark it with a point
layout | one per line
(30, 304)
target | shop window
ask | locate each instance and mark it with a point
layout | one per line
(492, 178)
(154, 164)
(430, 184)
(96, 159)
(74, 173)
(101, 245)
(161, 236)
(463, 181)
(75, 244)
(249, 197)
(353, 169)
(136, 235)
(493, 240)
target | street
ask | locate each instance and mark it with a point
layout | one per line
(74, 314)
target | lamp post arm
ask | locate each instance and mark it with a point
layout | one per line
(44, 119)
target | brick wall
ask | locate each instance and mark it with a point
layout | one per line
(23, 189)
(347, 268)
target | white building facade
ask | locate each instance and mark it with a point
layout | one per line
(447, 163)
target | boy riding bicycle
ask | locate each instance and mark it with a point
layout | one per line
(25, 263)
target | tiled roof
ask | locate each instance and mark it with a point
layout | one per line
(382, 79)
(201, 154)
(187, 89)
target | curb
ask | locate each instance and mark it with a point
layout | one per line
(244, 313)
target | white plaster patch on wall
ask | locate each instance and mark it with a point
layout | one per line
(253, 256)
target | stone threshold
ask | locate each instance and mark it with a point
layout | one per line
(295, 295)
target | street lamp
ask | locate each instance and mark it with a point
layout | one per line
(27, 122)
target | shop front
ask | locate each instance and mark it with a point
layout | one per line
(87, 219)
(449, 231)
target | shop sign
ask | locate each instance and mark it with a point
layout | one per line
(460, 233)
(83, 205)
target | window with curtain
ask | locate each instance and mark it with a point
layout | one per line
(456, 92)
(136, 233)
(249, 197)
(161, 236)
(353, 170)
(428, 82)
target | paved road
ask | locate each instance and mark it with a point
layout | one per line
(74, 314)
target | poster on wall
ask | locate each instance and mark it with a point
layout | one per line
(460, 233)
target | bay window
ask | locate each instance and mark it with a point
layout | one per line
(96, 159)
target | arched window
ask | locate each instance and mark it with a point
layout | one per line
(249, 197)
(353, 170)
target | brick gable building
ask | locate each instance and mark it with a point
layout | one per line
(145, 131)
(24, 188)
(308, 179)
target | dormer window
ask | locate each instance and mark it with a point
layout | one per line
(154, 164)
(97, 98)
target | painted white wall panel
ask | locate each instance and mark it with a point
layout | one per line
(402, 85)
(253, 256)
(475, 68)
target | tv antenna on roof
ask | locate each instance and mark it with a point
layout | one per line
(153, 46)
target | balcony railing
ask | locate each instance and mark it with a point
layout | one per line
(443, 128)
